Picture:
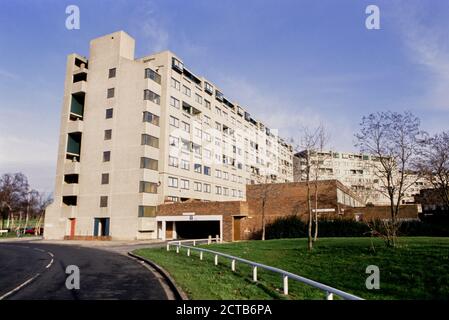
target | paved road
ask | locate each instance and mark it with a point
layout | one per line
(103, 274)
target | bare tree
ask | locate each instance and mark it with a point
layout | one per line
(393, 140)
(433, 163)
(13, 190)
(268, 190)
(307, 146)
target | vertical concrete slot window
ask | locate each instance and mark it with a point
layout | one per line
(112, 73)
(74, 146)
(77, 106)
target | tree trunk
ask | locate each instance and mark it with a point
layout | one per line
(315, 236)
(309, 207)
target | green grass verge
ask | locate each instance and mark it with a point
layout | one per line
(417, 269)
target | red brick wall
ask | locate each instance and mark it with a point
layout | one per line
(409, 211)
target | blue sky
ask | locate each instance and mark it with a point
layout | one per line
(290, 63)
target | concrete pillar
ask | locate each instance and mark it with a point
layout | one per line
(164, 230)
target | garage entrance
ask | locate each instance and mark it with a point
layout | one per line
(197, 229)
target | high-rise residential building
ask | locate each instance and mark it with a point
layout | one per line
(136, 133)
(357, 171)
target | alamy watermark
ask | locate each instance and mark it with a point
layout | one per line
(372, 22)
(72, 22)
(373, 280)
(73, 279)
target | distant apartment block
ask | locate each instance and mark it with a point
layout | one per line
(137, 133)
(357, 171)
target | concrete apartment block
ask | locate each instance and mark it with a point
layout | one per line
(139, 132)
(357, 171)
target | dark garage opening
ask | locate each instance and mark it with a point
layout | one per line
(197, 229)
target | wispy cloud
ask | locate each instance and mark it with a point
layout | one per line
(426, 42)
(153, 29)
(8, 75)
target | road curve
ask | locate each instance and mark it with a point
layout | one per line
(33, 271)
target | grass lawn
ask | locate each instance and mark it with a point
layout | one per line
(417, 269)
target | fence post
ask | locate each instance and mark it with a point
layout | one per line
(329, 296)
(217, 238)
(285, 285)
(177, 248)
(194, 243)
(168, 247)
(201, 255)
(216, 259)
(255, 273)
(188, 252)
(209, 239)
(233, 265)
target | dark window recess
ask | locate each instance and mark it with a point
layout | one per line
(111, 93)
(191, 76)
(106, 156)
(177, 65)
(147, 211)
(71, 178)
(148, 163)
(105, 178)
(79, 63)
(70, 200)
(150, 95)
(77, 106)
(82, 76)
(112, 72)
(103, 201)
(150, 141)
(74, 144)
(247, 116)
(151, 118)
(208, 88)
(109, 113)
(218, 95)
(153, 75)
(108, 134)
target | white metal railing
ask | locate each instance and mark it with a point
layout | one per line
(330, 291)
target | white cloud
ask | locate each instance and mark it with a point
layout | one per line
(153, 29)
(427, 45)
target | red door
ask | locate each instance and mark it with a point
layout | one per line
(72, 227)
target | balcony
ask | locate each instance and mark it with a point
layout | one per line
(77, 106)
(75, 126)
(69, 211)
(177, 65)
(79, 87)
(71, 167)
(70, 189)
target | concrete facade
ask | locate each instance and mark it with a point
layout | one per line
(137, 133)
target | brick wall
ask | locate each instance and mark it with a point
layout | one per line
(383, 212)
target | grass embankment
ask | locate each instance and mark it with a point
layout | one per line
(417, 269)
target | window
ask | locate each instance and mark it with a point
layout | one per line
(185, 145)
(150, 140)
(217, 189)
(185, 184)
(198, 132)
(197, 167)
(173, 121)
(217, 173)
(172, 199)
(151, 118)
(175, 84)
(185, 126)
(105, 178)
(174, 102)
(150, 95)
(185, 164)
(206, 120)
(207, 188)
(172, 182)
(207, 104)
(147, 211)
(112, 73)
(147, 187)
(225, 191)
(218, 126)
(153, 75)
(107, 134)
(173, 161)
(207, 137)
(173, 141)
(197, 186)
(111, 93)
(218, 111)
(177, 65)
(206, 171)
(186, 91)
(148, 163)
(109, 113)
(208, 88)
(103, 201)
(225, 175)
(106, 156)
(207, 153)
(196, 148)
(198, 98)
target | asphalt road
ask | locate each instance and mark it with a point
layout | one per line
(103, 274)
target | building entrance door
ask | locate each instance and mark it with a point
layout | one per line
(72, 227)
(101, 227)
(236, 228)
